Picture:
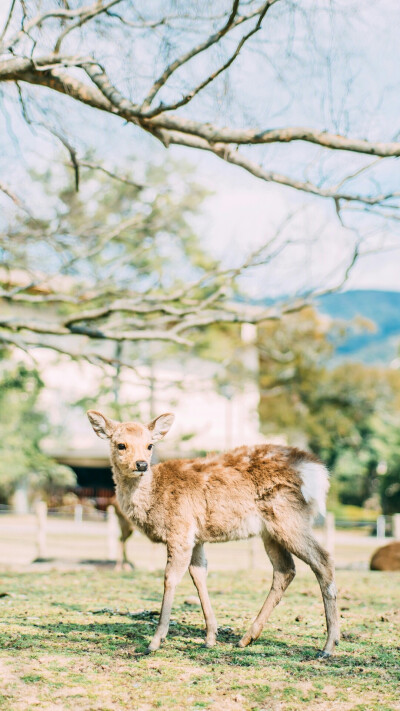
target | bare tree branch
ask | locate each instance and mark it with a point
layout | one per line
(110, 173)
(71, 150)
(7, 191)
(100, 78)
(176, 130)
(201, 47)
(186, 99)
(94, 11)
(192, 134)
(216, 134)
(237, 158)
(83, 13)
(84, 79)
(16, 200)
(8, 20)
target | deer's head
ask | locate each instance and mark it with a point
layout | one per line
(131, 443)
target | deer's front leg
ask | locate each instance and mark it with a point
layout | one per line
(177, 565)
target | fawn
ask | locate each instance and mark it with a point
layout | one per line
(267, 490)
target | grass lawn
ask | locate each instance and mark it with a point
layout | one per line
(57, 653)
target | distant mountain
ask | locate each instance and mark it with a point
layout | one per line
(382, 309)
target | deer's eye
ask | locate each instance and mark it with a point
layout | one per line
(150, 446)
(121, 446)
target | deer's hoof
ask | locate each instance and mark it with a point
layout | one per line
(323, 655)
(209, 643)
(244, 642)
(127, 567)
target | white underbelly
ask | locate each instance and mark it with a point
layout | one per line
(246, 527)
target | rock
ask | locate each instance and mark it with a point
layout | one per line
(387, 557)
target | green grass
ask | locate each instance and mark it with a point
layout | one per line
(55, 653)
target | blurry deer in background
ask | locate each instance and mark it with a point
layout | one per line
(266, 490)
(126, 528)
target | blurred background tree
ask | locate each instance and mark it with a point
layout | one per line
(118, 261)
(347, 414)
(113, 238)
(23, 465)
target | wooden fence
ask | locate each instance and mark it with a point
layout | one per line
(112, 531)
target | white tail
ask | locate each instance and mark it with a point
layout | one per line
(315, 485)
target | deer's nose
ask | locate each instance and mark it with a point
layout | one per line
(141, 466)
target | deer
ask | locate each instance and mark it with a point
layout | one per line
(267, 490)
(126, 528)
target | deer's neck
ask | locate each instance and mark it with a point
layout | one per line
(134, 496)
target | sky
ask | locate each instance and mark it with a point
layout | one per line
(244, 211)
(336, 68)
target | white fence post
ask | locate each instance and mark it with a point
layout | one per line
(20, 499)
(330, 532)
(78, 513)
(380, 527)
(41, 519)
(396, 526)
(112, 533)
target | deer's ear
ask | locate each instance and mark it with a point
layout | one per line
(102, 425)
(160, 426)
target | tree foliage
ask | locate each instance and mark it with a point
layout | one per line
(22, 428)
(347, 414)
(119, 261)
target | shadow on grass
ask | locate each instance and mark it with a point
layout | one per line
(131, 638)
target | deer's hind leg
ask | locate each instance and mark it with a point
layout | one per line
(305, 547)
(284, 572)
(198, 572)
(126, 530)
(126, 564)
